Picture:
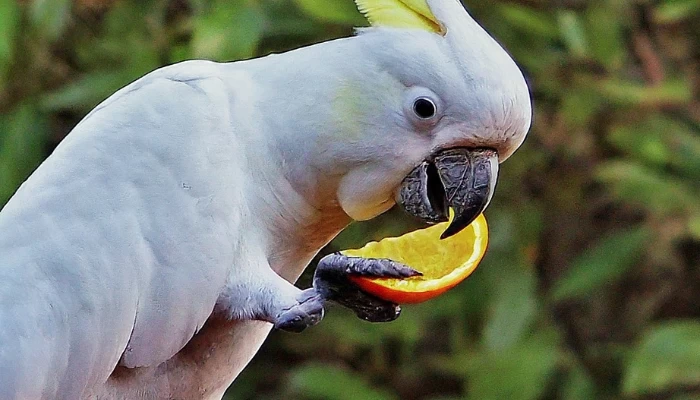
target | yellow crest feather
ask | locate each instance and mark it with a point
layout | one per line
(399, 14)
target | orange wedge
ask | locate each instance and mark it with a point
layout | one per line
(444, 263)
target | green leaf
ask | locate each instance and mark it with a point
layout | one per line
(229, 30)
(21, 146)
(671, 11)
(521, 373)
(604, 32)
(634, 93)
(694, 226)
(578, 386)
(601, 265)
(647, 188)
(333, 11)
(512, 311)
(292, 25)
(573, 33)
(86, 92)
(50, 17)
(9, 19)
(668, 355)
(579, 105)
(325, 382)
(534, 22)
(661, 142)
(343, 323)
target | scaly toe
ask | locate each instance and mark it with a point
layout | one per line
(302, 315)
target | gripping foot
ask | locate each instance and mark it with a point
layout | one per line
(331, 283)
(307, 312)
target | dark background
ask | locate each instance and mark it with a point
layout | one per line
(591, 286)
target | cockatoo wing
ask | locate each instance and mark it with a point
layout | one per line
(114, 248)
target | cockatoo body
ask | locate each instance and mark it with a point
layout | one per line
(150, 254)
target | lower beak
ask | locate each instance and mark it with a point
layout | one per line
(459, 178)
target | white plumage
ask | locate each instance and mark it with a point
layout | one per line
(206, 187)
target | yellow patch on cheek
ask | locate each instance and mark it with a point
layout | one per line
(348, 113)
(359, 105)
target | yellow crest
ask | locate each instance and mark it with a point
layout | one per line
(400, 14)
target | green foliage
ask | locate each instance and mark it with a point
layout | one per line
(333, 11)
(21, 146)
(9, 21)
(604, 264)
(589, 288)
(578, 386)
(667, 355)
(326, 382)
(49, 17)
(216, 28)
(520, 373)
(676, 10)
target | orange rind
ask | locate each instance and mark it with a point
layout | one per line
(443, 263)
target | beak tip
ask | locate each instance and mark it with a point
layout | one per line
(446, 235)
(459, 178)
(459, 223)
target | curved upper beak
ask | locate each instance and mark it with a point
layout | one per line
(459, 178)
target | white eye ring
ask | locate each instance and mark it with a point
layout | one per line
(422, 107)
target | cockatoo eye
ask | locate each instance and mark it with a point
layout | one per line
(424, 108)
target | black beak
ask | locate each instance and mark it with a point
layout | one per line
(459, 178)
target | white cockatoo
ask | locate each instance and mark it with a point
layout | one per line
(151, 253)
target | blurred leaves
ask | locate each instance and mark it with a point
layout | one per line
(513, 309)
(325, 382)
(536, 22)
(666, 357)
(87, 91)
(676, 10)
(24, 131)
(605, 34)
(660, 142)
(9, 22)
(333, 11)
(633, 93)
(572, 33)
(646, 187)
(521, 373)
(603, 264)
(50, 17)
(578, 386)
(589, 288)
(228, 30)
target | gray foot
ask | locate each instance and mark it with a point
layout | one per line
(332, 283)
(307, 312)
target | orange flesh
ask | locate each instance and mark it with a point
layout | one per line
(444, 263)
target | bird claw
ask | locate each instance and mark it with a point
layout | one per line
(307, 312)
(331, 282)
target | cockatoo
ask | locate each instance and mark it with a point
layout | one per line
(149, 256)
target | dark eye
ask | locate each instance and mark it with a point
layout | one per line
(424, 108)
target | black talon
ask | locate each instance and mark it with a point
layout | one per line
(332, 283)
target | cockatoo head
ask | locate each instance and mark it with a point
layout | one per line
(435, 107)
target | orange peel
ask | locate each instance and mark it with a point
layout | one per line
(443, 263)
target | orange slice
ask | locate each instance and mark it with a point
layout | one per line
(444, 263)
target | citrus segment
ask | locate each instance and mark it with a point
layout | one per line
(444, 263)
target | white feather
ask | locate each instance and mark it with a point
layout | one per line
(183, 191)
